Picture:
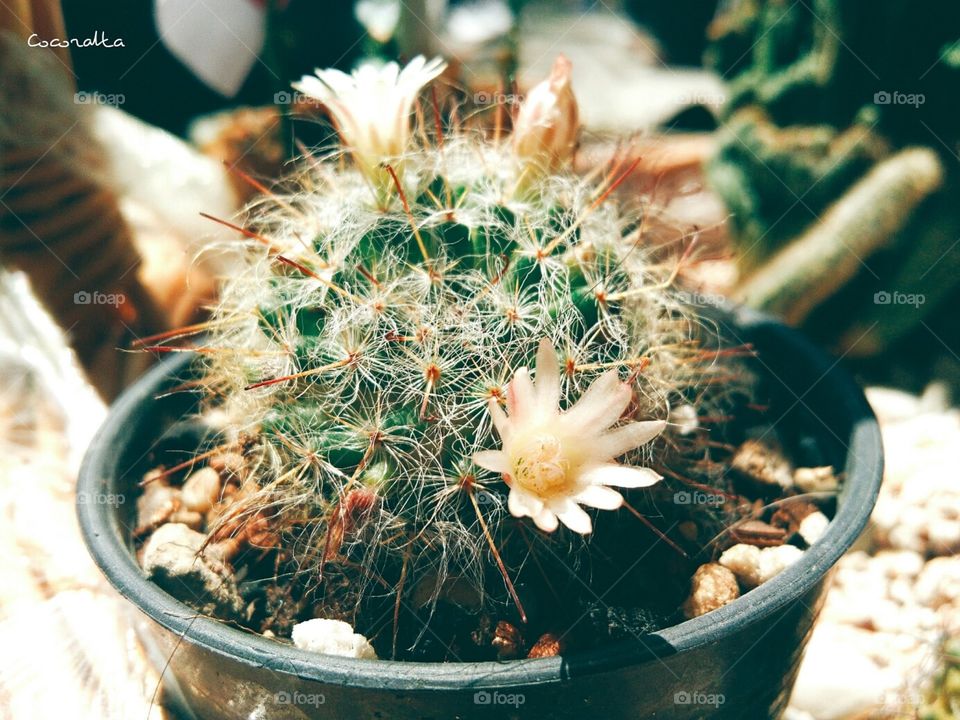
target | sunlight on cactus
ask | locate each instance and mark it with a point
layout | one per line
(363, 355)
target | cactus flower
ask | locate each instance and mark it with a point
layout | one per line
(545, 133)
(555, 461)
(371, 108)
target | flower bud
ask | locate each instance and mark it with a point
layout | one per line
(545, 133)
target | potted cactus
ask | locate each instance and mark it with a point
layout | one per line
(457, 446)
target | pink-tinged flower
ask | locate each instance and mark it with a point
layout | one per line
(371, 108)
(553, 460)
(545, 133)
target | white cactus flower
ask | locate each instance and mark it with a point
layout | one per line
(371, 108)
(553, 460)
(545, 133)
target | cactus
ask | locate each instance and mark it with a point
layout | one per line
(818, 109)
(389, 306)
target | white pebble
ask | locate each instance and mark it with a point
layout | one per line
(744, 561)
(815, 479)
(774, 560)
(891, 405)
(174, 558)
(332, 637)
(837, 679)
(899, 563)
(754, 566)
(944, 535)
(939, 583)
(813, 526)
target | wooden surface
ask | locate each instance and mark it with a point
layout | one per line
(67, 639)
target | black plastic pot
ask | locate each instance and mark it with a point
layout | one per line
(737, 662)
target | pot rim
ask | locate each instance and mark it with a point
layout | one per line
(863, 472)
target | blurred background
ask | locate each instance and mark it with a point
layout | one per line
(806, 154)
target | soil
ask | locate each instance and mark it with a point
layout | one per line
(728, 482)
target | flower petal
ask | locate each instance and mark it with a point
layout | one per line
(620, 475)
(548, 378)
(418, 72)
(492, 460)
(500, 420)
(600, 497)
(520, 395)
(523, 504)
(601, 405)
(312, 87)
(623, 439)
(546, 520)
(572, 515)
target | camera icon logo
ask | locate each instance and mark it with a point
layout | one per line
(282, 98)
(487, 497)
(482, 697)
(882, 297)
(882, 97)
(82, 297)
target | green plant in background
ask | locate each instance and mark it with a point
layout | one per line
(820, 93)
(943, 699)
(393, 303)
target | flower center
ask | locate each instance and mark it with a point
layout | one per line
(540, 466)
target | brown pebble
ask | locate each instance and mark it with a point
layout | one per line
(226, 549)
(789, 515)
(482, 635)
(155, 507)
(761, 463)
(758, 533)
(259, 533)
(507, 640)
(156, 476)
(549, 645)
(229, 465)
(201, 490)
(191, 519)
(711, 587)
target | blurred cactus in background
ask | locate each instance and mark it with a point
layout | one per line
(818, 99)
